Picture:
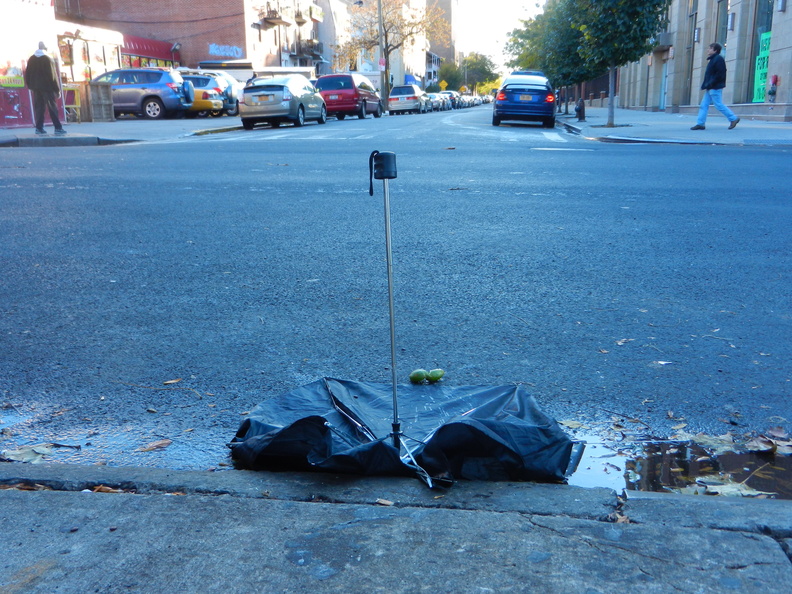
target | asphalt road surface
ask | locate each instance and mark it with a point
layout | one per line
(641, 282)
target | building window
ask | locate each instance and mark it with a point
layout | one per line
(722, 22)
(763, 26)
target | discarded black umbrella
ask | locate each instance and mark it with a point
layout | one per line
(470, 432)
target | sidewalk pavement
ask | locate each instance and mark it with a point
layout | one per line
(665, 127)
(241, 531)
(630, 126)
(126, 129)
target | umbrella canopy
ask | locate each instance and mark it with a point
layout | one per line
(450, 432)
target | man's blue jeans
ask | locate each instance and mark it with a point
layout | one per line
(713, 97)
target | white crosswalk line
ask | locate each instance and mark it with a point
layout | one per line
(554, 137)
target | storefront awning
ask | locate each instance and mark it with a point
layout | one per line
(148, 48)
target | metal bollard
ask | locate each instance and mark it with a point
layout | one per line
(382, 165)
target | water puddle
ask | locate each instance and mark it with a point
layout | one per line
(707, 466)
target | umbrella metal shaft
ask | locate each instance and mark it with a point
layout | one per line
(396, 425)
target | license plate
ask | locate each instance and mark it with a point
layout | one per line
(527, 98)
(333, 97)
(261, 99)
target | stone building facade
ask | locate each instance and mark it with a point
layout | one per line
(756, 36)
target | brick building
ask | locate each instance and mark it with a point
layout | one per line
(274, 33)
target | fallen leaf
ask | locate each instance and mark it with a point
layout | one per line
(761, 444)
(106, 489)
(603, 351)
(624, 341)
(384, 502)
(27, 487)
(678, 427)
(662, 362)
(730, 489)
(173, 381)
(151, 410)
(155, 445)
(571, 424)
(30, 454)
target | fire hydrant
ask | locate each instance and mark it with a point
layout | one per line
(580, 110)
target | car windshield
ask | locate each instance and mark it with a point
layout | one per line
(402, 91)
(336, 83)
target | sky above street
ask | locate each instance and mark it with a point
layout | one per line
(483, 27)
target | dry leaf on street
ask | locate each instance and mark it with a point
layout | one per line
(761, 444)
(31, 454)
(155, 445)
(173, 381)
(106, 489)
(571, 424)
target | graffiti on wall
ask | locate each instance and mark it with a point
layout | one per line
(225, 51)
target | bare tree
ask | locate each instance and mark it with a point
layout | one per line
(400, 24)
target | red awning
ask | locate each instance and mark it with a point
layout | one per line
(148, 48)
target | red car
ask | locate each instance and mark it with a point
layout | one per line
(349, 95)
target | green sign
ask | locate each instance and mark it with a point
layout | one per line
(760, 72)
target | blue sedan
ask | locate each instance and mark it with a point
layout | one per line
(525, 97)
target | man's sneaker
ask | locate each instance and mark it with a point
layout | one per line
(40, 131)
(734, 123)
(60, 132)
(698, 127)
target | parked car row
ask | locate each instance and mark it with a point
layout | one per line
(412, 99)
(155, 93)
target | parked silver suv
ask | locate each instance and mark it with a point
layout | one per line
(150, 92)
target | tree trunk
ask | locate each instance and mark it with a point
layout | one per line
(611, 96)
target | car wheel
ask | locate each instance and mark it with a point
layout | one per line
(153, 109)
(549, 122)
(300, 116)
(233, 111)
(378, 113)
(202, 114)
(216, 113)
(340, 116)
(495, 120)
(248, 124)
(362, 112)
(322, 115)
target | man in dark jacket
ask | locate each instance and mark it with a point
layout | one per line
(41, 78)
(714, 81)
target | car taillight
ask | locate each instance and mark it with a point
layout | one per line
(287, 96)
(550, 98)
(501, 96)
(218, 91)
(174, 87)
(205, 95)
